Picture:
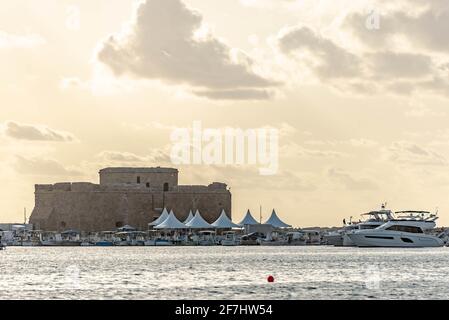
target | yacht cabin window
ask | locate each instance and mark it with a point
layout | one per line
(409, 229)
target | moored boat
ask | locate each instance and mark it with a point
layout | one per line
(230, 239)
(411, 231)
(206, 238)
(296, 238)
(104, 243)
(371, 220)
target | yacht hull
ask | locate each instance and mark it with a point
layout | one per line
(401, 240)
(347, 241)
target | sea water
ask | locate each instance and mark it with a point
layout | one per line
(301, 272)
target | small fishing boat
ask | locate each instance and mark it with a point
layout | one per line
(104, 243)
(251, 239)
(104, 239)
(206, 238)
(296, 238)
(87, 244)
(230, 239)
(279, 242)
(273, 239)
(313, 237)
(159, 242)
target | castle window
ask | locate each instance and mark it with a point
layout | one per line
(119, 224)
(138, 179)
(63, 224)
(148, 184)
(166, 186)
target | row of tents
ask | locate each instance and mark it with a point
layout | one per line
(196, 221)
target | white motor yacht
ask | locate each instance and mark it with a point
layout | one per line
(412, 230)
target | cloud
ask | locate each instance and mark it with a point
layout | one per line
(43, 167)
(285, 129)
(73, 82)
(419, 111)
(388, 64)
(360, 142)
(293, 149)
(245, 94)
(404, 152)
(21, 131)
(426, 30)
(333, 60)
(349, 182)
(162, 43)
(247, 177)
(116, 156)
(363, 72)
(20, 41)
(154, 157)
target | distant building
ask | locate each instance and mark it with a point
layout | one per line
(124, 196)
(15, 226)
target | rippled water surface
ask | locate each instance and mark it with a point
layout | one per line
(313, 272)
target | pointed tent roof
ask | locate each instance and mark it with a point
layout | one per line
(223, 222)
(198, 222)
(161, 218)
(171, 223)
(276, 222)
(248, 219)
(189, 218)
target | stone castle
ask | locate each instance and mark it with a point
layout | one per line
(124, 196)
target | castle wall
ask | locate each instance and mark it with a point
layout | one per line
(103, 207)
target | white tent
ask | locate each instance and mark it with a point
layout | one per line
(248, 219)
(223, 222)
(276, 222)
(189, 218)
(171, 223)
(161, 218)
(198, 222)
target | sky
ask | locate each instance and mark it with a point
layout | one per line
(358, 91)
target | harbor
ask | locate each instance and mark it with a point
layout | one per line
(379, 228)
(147, 207)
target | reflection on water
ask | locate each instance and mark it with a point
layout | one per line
(314, 272)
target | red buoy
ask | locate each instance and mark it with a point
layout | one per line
(270, 279)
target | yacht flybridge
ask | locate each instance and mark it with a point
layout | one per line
(426, 218)
(409, 229)
(370, 220)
